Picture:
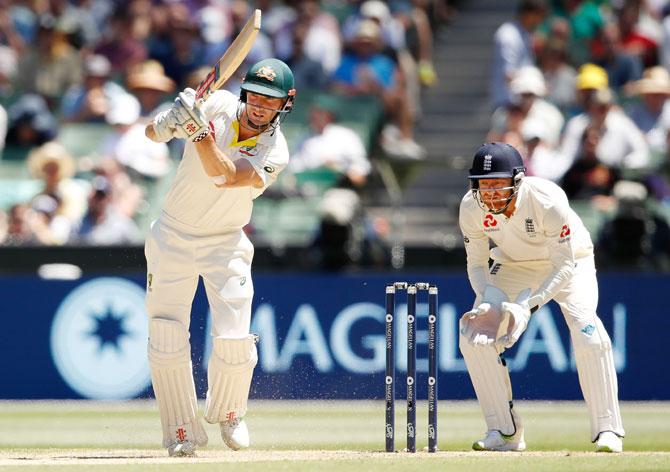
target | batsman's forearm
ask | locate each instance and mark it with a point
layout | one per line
(214, 161)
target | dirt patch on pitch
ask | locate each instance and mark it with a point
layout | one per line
(126, 456)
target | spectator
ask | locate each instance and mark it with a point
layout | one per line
(559, 75)
(103, 225)
(322, 42)
(53, 228)
(148, 82)
(52, 66)
(621, 145)
(513, 48)
(584, 22)
(20, 226)
(128, 144)
(52, 164)
(179, 47)
(622, 68)
(332, 146)
(527, 89)
(308, 73)
(90, 100)
(634, 39)
(636, 237)
(652, 114)
(30, 122)
(541, 159)
(589, 79)
(119, 44)
(588, 177)
(364, 70)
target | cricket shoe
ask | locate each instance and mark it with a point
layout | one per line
(495, 441)
(609, 442)
(182, 449)
(235, 434)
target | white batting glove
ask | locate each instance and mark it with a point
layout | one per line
(165, 126)
(517, 315)
(191, 119)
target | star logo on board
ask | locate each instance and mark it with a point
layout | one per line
(99, 339)
(109, 329)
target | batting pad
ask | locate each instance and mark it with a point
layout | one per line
(597, 376)
(231, 367)
(172, 377)
(490, 379)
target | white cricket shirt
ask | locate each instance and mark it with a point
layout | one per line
(543, 228)
(194, 204)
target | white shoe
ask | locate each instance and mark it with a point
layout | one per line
(609, 442)
(235, 434)
(182, 449)
(495, 441)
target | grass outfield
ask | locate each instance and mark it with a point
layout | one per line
(321, 435)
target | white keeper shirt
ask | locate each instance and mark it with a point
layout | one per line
(543, 228)
(194, 204)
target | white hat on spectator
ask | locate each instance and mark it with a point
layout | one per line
(123, 110)
(51, 152)
(368, 29)
(528, 79)
(375, 9)
(655, 80)
(97, 66)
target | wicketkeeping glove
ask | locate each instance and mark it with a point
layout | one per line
(479, 326)
(191, 119)
(517, 316)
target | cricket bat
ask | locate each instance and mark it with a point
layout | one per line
(231, 59)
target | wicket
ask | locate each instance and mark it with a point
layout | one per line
(411, 290)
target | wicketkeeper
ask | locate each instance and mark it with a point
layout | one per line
(542, 252)
(234, 151)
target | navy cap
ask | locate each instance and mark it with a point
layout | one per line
(496, 161)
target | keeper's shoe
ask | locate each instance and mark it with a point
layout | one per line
(495, 441)
(182, 449)
(609, 442)
(235, 434)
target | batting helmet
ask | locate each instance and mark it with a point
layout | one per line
(269, 77)
(496, 161)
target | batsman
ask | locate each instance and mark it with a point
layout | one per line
(541, 251)
(234, 150)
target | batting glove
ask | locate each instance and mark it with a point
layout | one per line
(191, 119)
(165, 126)
(517, 315)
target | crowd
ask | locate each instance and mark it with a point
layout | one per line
(118, 63)
(582, 88)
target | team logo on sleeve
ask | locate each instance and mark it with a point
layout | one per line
(565, 232)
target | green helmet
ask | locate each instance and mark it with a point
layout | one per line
(269, 77)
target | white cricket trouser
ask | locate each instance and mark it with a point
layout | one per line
(578, 301)
(174, 262)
